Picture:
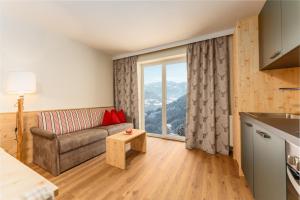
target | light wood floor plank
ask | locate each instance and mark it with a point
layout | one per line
(167, 171)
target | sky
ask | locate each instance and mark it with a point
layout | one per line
(175, 72)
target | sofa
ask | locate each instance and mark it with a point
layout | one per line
(66, 138)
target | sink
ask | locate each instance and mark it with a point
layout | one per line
(275, 115)
(289, 123)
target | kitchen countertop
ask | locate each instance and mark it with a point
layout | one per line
(287, 128)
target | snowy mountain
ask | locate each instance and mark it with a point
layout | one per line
(176, 107)
(153, 92)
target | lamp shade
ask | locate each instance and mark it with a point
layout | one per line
(21, 83)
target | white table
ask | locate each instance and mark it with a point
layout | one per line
(17, 180)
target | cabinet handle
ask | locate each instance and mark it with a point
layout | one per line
(277, 53)
(263, 134)
(248, 124)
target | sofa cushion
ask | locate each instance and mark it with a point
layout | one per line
(65, 121)
(116, 128)
(71, 141)
(96, 116)
(106, 118)
(121, 116)
(114, 117)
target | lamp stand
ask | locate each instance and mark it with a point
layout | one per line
(20, 127)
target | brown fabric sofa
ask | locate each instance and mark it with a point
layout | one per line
(57, 153)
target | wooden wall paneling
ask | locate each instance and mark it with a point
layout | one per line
(235, 93)
(254, 90)
(8, 137)
(30, 120)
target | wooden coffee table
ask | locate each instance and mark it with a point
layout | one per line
(115, 146)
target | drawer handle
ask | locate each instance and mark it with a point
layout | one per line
(263, 134)
(277, 53)
(248, 124)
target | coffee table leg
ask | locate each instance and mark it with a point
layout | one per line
(115, 153)
(139, 143)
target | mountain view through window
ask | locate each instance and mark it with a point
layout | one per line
(176, 87)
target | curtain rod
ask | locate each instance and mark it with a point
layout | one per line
(176, 44)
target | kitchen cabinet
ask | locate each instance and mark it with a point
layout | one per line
(263, 161)
(279, 29)
(269, 166)
(270, 32)
(247, 152)
(290, 24)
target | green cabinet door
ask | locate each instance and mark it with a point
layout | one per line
(290, 24)
(270, 38)
(269, 166)
(247, 152)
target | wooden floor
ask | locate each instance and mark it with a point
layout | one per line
(167, 171)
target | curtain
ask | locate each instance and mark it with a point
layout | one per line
(126, 88)
(207, 125)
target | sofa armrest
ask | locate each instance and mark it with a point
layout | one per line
(45, 150)
(43, 133)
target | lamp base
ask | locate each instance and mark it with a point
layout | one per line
(20, 127)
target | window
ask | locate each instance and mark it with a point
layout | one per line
(164, 87)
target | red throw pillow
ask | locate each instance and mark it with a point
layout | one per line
(106, 118)
(114, 117)
(121, 116)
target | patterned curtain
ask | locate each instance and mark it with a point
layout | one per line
(126, 88)
(207, 125)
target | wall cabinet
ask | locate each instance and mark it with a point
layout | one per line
(263, 162)
(279, 29)
(290, 24)
(270, 32)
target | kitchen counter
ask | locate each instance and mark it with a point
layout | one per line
(279, 124)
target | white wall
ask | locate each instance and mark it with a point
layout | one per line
(69, 74)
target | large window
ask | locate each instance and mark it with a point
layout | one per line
(164, 87)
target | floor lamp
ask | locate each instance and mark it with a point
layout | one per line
(20, 83)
